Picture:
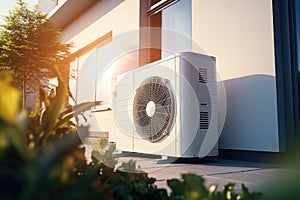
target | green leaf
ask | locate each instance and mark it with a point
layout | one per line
(103, 153)
(69, 113)
(50, 117)
(9, 101)
(48, 159)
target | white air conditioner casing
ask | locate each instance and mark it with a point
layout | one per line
(181, 121)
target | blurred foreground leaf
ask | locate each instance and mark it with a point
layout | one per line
(9, 99)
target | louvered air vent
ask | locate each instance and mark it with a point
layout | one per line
(203, 120)
(202, 75)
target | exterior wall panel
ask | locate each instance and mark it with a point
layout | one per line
(118, 17)
(240, 35)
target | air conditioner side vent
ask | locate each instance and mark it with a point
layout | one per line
(204, 122)
(203, 76)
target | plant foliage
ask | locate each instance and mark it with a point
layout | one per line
(41, 157)
(192, 187)
(30, 47)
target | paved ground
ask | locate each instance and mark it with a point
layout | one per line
(214, 170)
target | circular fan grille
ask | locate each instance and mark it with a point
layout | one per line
(153, 109)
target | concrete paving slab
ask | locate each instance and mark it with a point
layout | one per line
(215, 171)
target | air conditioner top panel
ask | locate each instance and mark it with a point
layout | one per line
(183, 54)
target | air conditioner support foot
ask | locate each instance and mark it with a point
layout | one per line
(165, 160)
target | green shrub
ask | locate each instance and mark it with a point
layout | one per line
(41, 157)
(192, 187)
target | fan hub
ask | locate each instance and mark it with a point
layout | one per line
(150, 108)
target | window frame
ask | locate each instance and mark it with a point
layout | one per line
(147, 54)
(286, 67)
(94, 45)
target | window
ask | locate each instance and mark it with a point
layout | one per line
(161, 19)
(85, 70)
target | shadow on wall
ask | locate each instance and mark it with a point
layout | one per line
(251, 118)
(98, 12)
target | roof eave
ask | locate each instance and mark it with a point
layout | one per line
(65, 13)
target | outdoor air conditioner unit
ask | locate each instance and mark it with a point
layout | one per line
(169, 107)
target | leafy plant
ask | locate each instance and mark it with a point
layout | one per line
(31, 48)
(40, 155)
(31, 149)
(103, 154)
(192, 187)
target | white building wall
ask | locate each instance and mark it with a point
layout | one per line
(98, 67)
(118, 16)
(47, 5)
(240, 35)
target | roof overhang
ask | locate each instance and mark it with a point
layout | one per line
(65, 13)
